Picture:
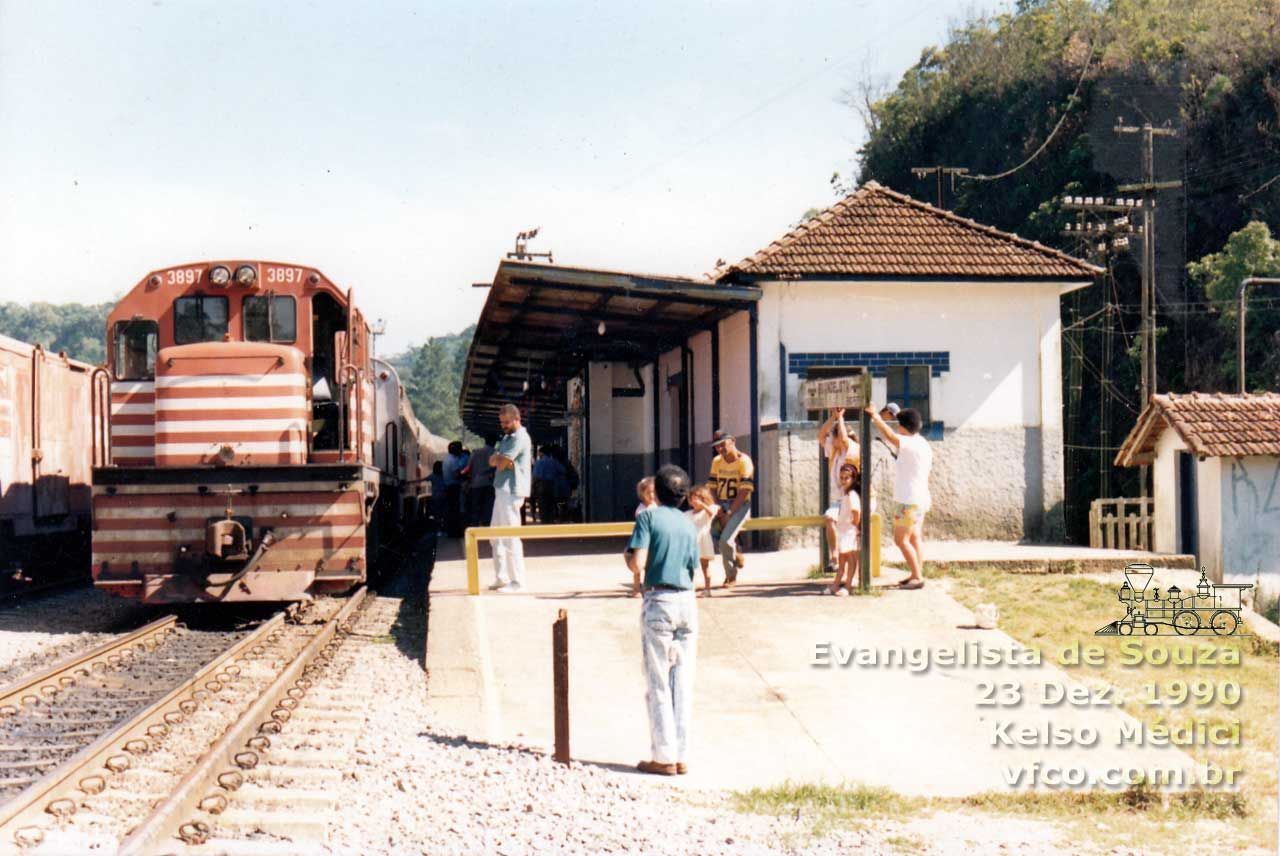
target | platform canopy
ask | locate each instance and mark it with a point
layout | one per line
(542, 323)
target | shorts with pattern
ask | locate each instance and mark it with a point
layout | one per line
(909, 516)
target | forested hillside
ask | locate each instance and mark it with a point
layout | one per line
(72, 327)
(432, 373)
(1028, 103)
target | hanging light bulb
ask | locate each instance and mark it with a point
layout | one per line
(524, 386)
(600, 328)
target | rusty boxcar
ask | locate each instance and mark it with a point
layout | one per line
(51, 430)
(258, 451)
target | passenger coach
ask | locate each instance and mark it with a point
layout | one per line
(258, 450)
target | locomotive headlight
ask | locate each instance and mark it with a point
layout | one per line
(246, 275)
(219, 276)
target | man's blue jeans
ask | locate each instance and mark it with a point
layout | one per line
(669, 637)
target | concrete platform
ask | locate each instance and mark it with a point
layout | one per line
(764, 713)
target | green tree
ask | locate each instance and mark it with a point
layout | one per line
(432, 375)
(75, 328)
(1251, 251)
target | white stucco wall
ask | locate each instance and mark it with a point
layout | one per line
(1003, 340)
(735, 374)
(1251, 521)
(704, 422)
(1164, 484)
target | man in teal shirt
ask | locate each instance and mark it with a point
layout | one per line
(511, 481)
(665, 545)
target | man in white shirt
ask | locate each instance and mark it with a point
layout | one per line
(910, 488)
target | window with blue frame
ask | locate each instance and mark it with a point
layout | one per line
(909, 387)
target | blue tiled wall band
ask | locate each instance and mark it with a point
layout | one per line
(878, 361)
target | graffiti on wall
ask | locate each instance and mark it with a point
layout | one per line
(1251, 518)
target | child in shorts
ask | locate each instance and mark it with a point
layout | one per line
(848, 522)
(702, 512)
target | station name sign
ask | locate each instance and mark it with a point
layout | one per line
(848, 391)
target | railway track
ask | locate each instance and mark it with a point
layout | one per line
(147, 779)
(49, 717)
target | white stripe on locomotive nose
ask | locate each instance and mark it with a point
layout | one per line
(253, 426)
(133, 430)
(246, 403)
(133, 409)
(170, 382)
(128, 387)
(245, 448)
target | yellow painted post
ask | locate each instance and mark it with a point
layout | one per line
(876, 522)
(473, 562)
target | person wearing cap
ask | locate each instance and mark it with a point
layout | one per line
(838, 446)
(913, 461)
(732, 481)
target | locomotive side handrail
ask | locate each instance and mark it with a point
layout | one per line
(100, 404)
(357, 387)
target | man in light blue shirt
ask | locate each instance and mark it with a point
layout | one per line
(512, 480)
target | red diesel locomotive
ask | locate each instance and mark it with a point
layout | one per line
(258, 450)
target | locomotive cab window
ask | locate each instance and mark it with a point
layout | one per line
(135, 345)
(199, 319)
(270, 318)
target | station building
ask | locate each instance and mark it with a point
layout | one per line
(953, 318)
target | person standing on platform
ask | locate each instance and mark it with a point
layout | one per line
(454, 464)
(482, 482)
(732, 482)
(511, 486)
(833, 437)
(913, 462)
(662, 556)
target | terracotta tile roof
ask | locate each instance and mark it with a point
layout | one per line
(876, 231)
(1210, 424)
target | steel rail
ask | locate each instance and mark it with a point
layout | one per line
(59, 792)
(42, 684)
(218, 771)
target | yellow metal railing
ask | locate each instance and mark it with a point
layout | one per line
(475, 534)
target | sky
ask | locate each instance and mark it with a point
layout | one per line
(400, 146)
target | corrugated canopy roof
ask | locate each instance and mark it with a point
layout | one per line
(1210, 424)
(879, 232)
(540, 326)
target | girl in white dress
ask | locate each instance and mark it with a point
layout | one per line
(702, 512)
(848, 522)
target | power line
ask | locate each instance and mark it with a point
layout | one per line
(1071, 102)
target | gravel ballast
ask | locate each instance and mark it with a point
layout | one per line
(39, 631)
(415, 789)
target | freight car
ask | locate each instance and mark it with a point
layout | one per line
(47, 448)
(258, 451)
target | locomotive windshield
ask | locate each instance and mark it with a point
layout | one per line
(201, 318)
(271, 318)
(136, 343)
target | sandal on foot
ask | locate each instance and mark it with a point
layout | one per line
(658, 769)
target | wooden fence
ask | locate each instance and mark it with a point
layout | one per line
(1121, 524)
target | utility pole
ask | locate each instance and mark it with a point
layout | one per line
(939, 171)
(1101, 236)
(1148, 187)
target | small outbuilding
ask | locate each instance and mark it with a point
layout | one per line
(1215, 462)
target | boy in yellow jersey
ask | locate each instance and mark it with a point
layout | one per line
(732, 481)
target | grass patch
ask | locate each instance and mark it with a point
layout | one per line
(855, 800)
(1050, 612)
